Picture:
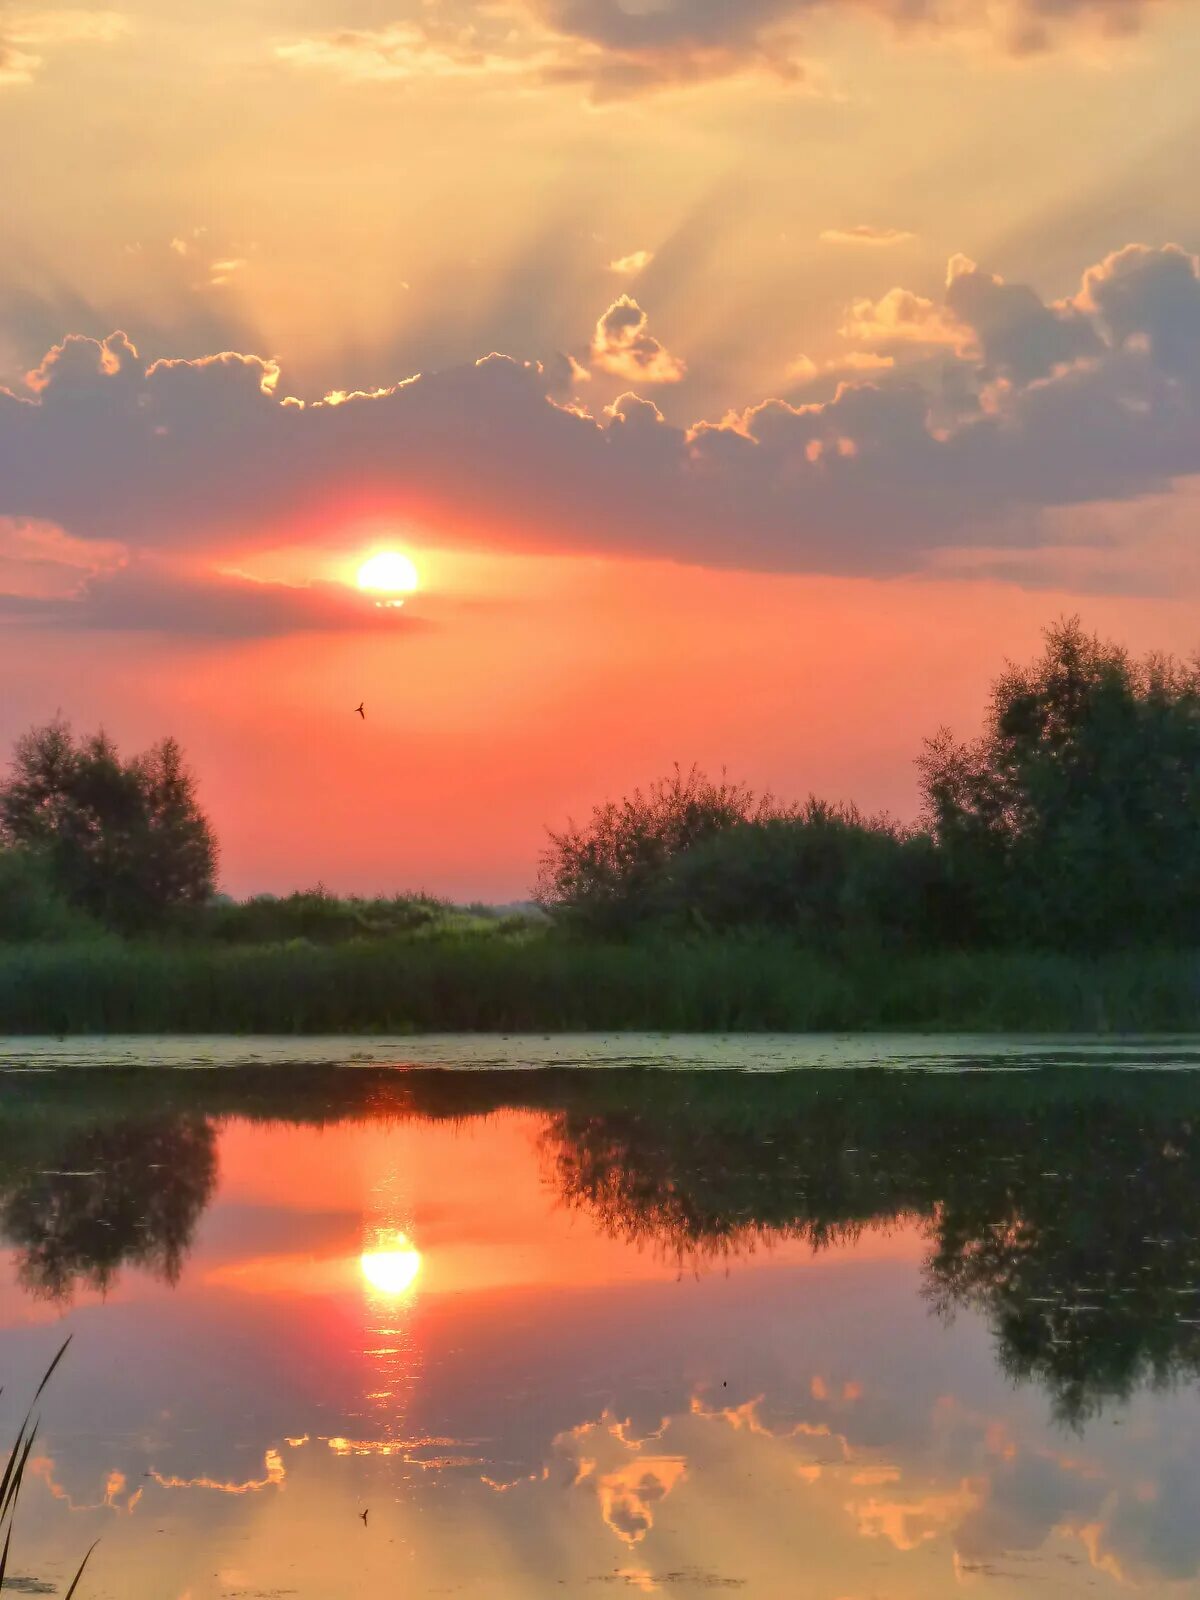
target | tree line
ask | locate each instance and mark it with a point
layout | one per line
(1071, 823)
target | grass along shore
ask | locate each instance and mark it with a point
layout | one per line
(543, 982)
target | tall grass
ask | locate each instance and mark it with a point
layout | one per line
(542, 982)
(14, 1476)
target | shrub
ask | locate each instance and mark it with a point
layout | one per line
(605, 876)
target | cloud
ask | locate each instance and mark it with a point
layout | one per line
(629, 266)
(1034, 406)
(853, 363)
(430, 47)
(39, 561)
(148, 597)
(864, 233)
(615, 49)
(220, 272)
(902, 317)
(16, 66)
(23, 34)
(623, 346)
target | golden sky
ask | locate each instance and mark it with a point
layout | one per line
(746, 381)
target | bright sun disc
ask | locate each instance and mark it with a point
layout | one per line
(391, 1271)
(389, 572)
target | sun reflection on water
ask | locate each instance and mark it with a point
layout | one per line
(391, 1269)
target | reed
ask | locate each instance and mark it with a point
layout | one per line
(14, 1476)
(545, 982)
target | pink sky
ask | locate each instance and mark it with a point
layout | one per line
(746, 384)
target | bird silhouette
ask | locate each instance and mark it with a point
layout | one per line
(363, 1515)
(361, 712)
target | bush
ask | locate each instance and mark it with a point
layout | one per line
(31, 905)
(827, 875)
(606, 876)
(314, 915)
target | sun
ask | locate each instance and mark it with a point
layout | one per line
(391, 1271)
(389, 572)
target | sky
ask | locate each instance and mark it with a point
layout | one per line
(747, 382)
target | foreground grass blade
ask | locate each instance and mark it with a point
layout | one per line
(14, 1475)
(50, 1369)
(79, 1574)
(4, 1555)
(7, 1488)
(14, 1487)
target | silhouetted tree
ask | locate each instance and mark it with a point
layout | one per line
(125, 841)
(603, 875)
(824, 873)
(1075, 819)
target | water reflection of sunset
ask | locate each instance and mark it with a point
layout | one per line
(391, 1271)
(403, 1315)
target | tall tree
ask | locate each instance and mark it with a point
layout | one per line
(1075, 819)
(125, 840)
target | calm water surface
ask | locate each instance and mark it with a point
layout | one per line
(891, 1324)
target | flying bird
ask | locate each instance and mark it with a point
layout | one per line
(361, 712)
(364, 1515)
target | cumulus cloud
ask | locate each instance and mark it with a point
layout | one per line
(864, 233)
(902, 317)
(623, 345)
(1051, 404)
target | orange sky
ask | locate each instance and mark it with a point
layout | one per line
(745, 382)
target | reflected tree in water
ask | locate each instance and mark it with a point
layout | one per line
(125, 1193)
(1062, 1205)
(1081, 1248)
(1070, 1222)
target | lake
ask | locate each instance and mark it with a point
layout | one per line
(834, 1318)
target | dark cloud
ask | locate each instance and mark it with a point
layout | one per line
(1018, 336)
(1036, 405)
(632, 48)
(145, 597)
(622, 48)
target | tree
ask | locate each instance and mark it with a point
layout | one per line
(824, 873)
(31, 904)
(125, 841)
(1075, 819)
(604, 874)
